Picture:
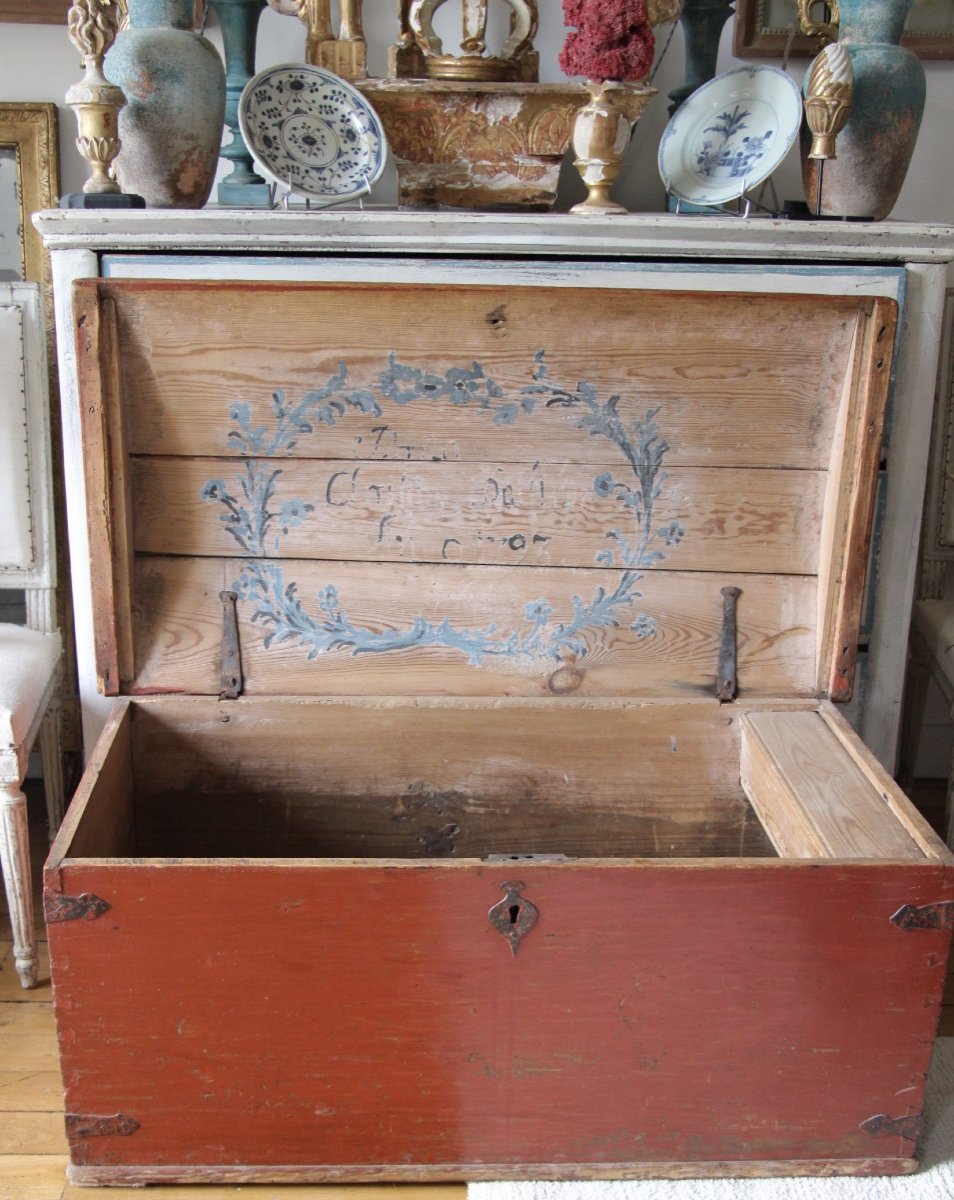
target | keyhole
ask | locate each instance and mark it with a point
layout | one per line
(513, 916)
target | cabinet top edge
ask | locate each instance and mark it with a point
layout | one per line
(387, 230)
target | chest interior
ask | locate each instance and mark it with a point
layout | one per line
(420, 572)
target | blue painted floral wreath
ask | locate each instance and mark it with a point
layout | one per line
(252, 515)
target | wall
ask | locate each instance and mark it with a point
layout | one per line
(37, 62)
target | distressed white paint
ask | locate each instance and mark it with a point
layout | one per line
(907, 465)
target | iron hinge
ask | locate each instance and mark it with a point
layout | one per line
(85, 907)
(939, 917)
(232, 682)
(727, 683)
(86, 1127)
(885, 1126)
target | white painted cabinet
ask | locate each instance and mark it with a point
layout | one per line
(906, 262)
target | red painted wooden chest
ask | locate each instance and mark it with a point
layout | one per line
(477, 807)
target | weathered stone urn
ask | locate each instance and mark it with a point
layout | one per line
(171, 126)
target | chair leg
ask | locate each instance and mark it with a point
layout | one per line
(15, 863)
(51, 752)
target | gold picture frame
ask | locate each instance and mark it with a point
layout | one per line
(762, 30)
(34, 12)
(30, 131)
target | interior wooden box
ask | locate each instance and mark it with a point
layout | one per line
(179, 778)
(499, 537)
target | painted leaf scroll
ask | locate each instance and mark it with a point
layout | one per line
(255, 516)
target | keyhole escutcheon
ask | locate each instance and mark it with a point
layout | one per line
(513, 916)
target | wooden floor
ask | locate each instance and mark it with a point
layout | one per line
(32, 1144)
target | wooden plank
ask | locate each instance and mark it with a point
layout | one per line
(97, 373)
(464, 780)
(28, 1091)
(931, 845)
(25, 1033)
(39, 1176)
(750, 392)
(770, 795)
(32, 1133)
(816, 797)
(101, 811)
(850, 503)
(476, 1173)
(518, 514)
(376, 636)
(289, 1190)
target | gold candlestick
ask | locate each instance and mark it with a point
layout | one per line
(92, 26)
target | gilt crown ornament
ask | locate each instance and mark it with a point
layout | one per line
(515, 59)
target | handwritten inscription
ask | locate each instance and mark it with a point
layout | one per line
(418, 512)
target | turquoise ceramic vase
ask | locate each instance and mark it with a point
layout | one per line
(874, 149)
(242, 187)
(171, 127)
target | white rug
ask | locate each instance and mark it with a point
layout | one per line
(934, 1180)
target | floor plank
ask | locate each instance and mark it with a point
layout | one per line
(32, 1133)
(32, 1177)
(30, 1091)
(27, 1040)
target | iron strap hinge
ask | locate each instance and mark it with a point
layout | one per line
(939, 917)
(885, 1126)
(232, 681)
(118, 1125)
(85, 907)
(727, 684)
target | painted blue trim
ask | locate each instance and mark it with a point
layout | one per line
(112, 264)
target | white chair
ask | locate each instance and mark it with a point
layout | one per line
(30, 655)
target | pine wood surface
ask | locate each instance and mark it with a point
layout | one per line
(511, 451)
(33, 1150)
(834, 809)
(491, 513)
(182, 372)
(177, 621)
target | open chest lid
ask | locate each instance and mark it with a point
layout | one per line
(413, 489)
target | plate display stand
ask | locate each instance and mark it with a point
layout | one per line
(742, 206)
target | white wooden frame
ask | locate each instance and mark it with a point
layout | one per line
(41, 571)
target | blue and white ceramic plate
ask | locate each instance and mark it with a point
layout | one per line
(730, 134)
(313, 133)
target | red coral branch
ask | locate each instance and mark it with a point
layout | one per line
(612, 39)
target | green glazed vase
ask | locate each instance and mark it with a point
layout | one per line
(874, 149)
(174, 83)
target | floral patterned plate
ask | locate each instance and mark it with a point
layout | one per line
(730, 134)
(310, 131)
